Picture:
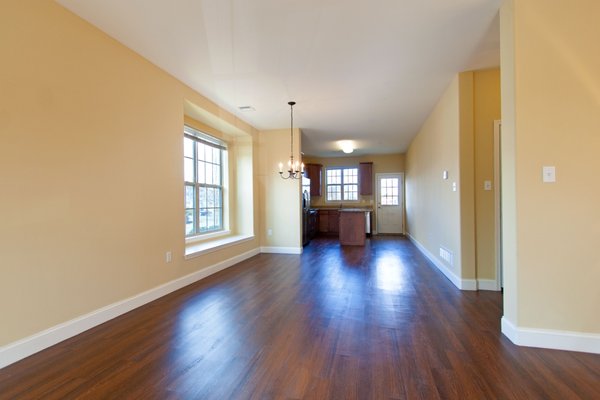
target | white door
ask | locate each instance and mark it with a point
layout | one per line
(390, 203)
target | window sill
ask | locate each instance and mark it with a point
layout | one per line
(206, 236)
(195, 249)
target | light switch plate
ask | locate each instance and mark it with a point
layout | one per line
(548, 174)
(487, 185)
(454, 186)
(445, 175)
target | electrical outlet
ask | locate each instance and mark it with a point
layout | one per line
(168, 256)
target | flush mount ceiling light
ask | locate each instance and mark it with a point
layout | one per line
(347, 146)
(295, 169)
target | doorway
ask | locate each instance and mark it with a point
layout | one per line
(390, 203)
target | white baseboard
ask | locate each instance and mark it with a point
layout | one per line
(20, 349)
(281, 250)
(462, 284)
(551, 339)
(488, 284)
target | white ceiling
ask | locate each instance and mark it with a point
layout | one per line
(363, 70)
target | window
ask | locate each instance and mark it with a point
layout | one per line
(342, 184)
(389, 192)
(204, 160)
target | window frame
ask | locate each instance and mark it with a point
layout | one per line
(342, 184)
(198, 137)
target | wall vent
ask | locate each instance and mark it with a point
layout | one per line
(447, 256)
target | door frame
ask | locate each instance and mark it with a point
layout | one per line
(400, 197)
(498, 203)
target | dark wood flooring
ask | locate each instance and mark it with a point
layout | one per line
(373, 322)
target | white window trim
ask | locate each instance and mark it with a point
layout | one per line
(357, 180)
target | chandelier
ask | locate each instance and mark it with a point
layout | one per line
(295, 169)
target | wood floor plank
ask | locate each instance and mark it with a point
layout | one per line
(372, 322)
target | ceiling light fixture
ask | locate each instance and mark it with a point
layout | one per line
(295, 169)
(347, 146)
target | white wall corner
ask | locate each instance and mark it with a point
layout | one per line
(551, 339)
(281, 250)
(20, 349)
(462, 284)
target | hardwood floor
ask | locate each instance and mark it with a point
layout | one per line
(373, 322)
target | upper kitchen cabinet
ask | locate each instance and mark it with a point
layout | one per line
(365, 174)
(313, 172)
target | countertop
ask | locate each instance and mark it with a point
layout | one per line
(344, 209)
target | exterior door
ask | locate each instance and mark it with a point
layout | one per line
(390, 203)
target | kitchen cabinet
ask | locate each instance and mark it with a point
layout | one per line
(313, 223)
(365, 176)
(334, 221)
(314, 172)
(329, 221)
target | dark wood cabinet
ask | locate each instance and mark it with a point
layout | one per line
(329, 221)
(314, 172)
(334, 221)
(365, 176)
(313, 223)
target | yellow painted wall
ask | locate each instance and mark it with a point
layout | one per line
(486, 103)
(91, 170)
(280, 207)
(466, 189)
(550, 113)
(432, 208)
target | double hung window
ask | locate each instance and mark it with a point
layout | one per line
(341, 184)
(204, 159)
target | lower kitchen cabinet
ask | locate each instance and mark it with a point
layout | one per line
(329, 221)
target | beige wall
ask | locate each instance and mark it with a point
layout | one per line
(280, 207)
(432, 208)
(458, 137)
(466, 188)
(551, 99)
(90, 170)
(486, 89)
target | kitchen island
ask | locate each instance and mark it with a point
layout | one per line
(352, 226)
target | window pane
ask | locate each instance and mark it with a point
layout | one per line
(210, 197)
(350, 175)
(203, 220)
(218, 195)
(188, 169)
(216, 175)
(210, 215)
(202, 199)
(334, 193)
(189, 196)
(350, 192)
(216, 155)
(218, 223)
(209, 174)
(208, 155)
(188, 148)
(189, 222)
(201, 172)
(200, 153)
